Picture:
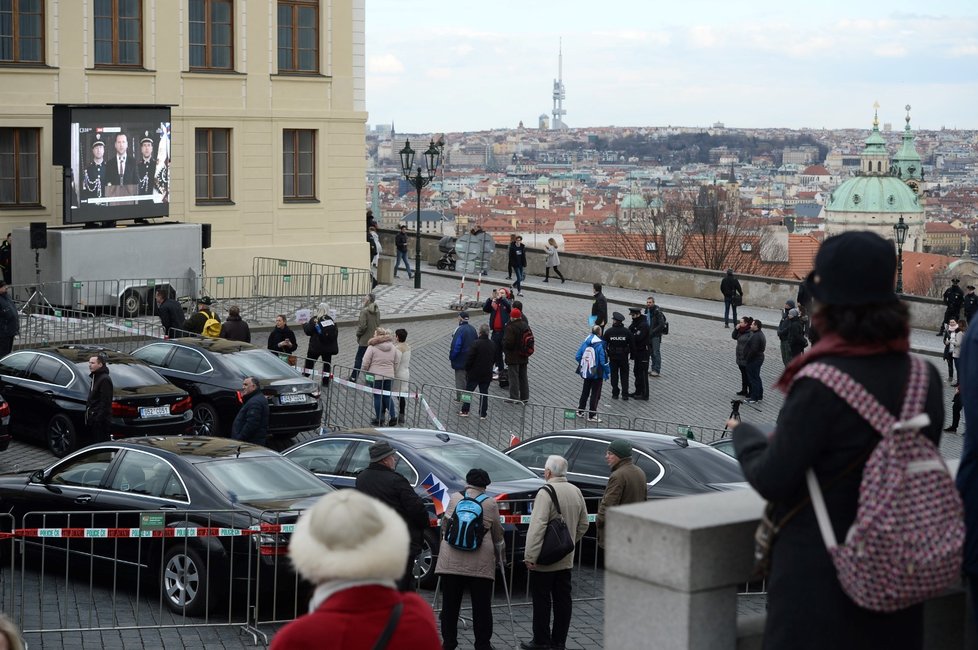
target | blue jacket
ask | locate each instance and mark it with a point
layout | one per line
(967, 478)
(601, 368)
(251, 423)
(465, 335)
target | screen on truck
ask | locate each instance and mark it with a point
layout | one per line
(119, 163)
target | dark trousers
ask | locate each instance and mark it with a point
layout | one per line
(384, 402)
(99, 431)
(407, 582)
(744, 384)
(727, 305)
(556, 271)
(358, 361)
(754, 379)
(592, 389)
(955, 410)
(950, 366)
(642, 378)
(311, 363)
(519, 385)
(483, 387)
(497, 340)
(6, 345)
(551, 588)
(480, 591)
(619, 371)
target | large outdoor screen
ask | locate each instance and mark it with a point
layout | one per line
(119, 161)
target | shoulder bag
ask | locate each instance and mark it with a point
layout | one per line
(557, 540)
(388, 632)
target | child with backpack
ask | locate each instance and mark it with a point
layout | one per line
(472, 543)
(866, 522)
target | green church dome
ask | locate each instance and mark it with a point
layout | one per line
(880, 194)
(633, 202)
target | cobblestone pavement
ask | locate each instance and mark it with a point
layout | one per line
(699, 378)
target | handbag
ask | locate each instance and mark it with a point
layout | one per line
(557, 540)
(736, 300)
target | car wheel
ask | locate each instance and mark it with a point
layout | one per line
(424, 565)
(60, 436)
(183, 580)
(205, 421)
(131, 303)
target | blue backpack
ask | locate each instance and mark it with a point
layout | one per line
(466, 528)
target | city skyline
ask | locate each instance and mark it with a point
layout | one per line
(457, 66)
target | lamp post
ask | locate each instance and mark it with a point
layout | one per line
(419, 179)
(900, 228)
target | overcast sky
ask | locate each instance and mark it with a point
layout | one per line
(461, 65)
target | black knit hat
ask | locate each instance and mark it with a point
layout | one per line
(478, 478)
(854, 268)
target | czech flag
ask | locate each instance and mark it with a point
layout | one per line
(437, 491)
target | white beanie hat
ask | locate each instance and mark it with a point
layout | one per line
(349, 535)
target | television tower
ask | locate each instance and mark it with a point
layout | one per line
(559, 94)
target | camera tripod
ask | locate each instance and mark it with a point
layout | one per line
(37, 296)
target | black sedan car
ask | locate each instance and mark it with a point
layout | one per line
(211, 370)
(4, 425)
(435, 464)
(199, 516)
(47, 390)
(674, 466)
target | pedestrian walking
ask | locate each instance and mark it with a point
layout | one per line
(640, 353)
(478, 369)
(5, 257)
(381, 360)
(170, 313)
(626, 484)
(953, 299)
(599, 308)
(550, 584)
(954, 339)
(733, 296)
(234, 328)
(796, 334)
(955, 410)
(553, 260)
(401, 244)
(657, 327)
(354, 566)
(376, 250)
(970, 304)
(281, 340)
(98, 407)
(458, 351)
(618, 344)
(324, 339)
(498, 308)
(9, 320)
(472, 570)
(741, 334)
(517, 358)
(967, 476)
(518, 262)
(753, 360)
(251, 422)
(593, 367)
(402, 373)
(783, 332)
(199, 320)
(380, 480)
(509, 256)
(367, 323)
(864, 333)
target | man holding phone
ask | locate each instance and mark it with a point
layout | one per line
(498, 306)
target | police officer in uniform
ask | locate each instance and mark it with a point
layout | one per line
(970, 305)
(953, 299)
(146, 167)
(93, 182)
(618, 343)
(640, 352)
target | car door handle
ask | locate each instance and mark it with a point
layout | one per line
(165, 507)
(84, 498)
(48, 393)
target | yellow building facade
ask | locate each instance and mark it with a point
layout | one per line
(268, 114)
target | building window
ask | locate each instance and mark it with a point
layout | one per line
(211, 35)
(22, 31)
(746, 247)
(118, 32)
(298, 164)
(298, 36)
(212, 169)
(20, 167)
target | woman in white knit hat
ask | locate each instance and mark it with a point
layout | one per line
(353, 548)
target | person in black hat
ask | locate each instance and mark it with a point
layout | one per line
(640, 353)
(93, 182)
(865, 333)
(970, 304)
(195, 324)
(380, 481)
(618, 342)
(145, 166)
(953, 299)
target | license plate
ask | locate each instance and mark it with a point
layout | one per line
(292, 398)
(154, 411)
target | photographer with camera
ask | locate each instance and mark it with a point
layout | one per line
(741, 334)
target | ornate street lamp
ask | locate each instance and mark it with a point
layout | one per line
(418, 180)
(789, 223)
(900, 228)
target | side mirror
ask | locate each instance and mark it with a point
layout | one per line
(37, 476)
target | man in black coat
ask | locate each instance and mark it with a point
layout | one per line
(380, 481)
(98, 409)
(9, 321)
(970, 305)
(170, 313)
(599, 308)
(251, 422)
(478, 370)
(618, 343)
(953, 299)
(640, 353)
(198, 319)
(732, 296)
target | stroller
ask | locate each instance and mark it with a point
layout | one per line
(446, 246)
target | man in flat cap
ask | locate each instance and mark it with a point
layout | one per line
(380, 481)
(618, 342)
(627, 483)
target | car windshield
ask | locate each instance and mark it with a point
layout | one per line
(706, 465)
(258, 363)
(460, 458)
(127, 375)
(269, 478)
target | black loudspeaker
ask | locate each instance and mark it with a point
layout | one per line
(39, 234)
(205, 235)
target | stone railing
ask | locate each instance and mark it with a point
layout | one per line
(673, 568)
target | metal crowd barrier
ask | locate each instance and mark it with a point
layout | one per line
(350, 399)
(691, 431)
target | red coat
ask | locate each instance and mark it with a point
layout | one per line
(353, 619)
